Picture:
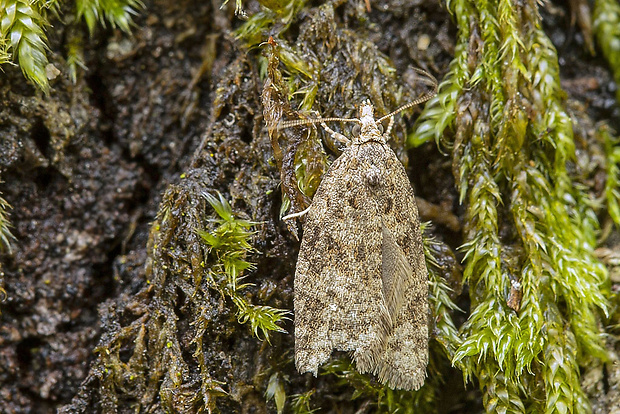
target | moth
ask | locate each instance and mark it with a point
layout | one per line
(361, 283)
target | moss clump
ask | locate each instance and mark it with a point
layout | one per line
(301, 403)
(194, 276)
(116, 13)
(229, 243)
(606, 18)
(530, 232)
(23, 36)
(23, 24)
(611, 145)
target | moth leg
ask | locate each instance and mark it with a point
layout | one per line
(388, 131)
(336, 135)
(294, 215)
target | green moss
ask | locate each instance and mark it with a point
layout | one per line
(229, 243)
(606, 24)
(75, 54)
(527, 223)
(443, 286)
(275, 391)
(89, 12)
(6, 237)
(5, 55)
(23, 24)
(274, 12)
(5, 227)
(195, 277)
(612, 163)
(301, 403)
(116, 13)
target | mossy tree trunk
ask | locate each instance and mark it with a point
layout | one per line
(132, 286)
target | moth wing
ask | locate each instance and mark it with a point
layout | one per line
(339, 300)
(402, 364)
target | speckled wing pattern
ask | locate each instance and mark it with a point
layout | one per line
(361, 283)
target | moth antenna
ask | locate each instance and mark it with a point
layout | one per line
(299, 122)
(425, 97)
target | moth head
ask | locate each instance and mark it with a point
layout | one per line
(367, 111)
(369, 130)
